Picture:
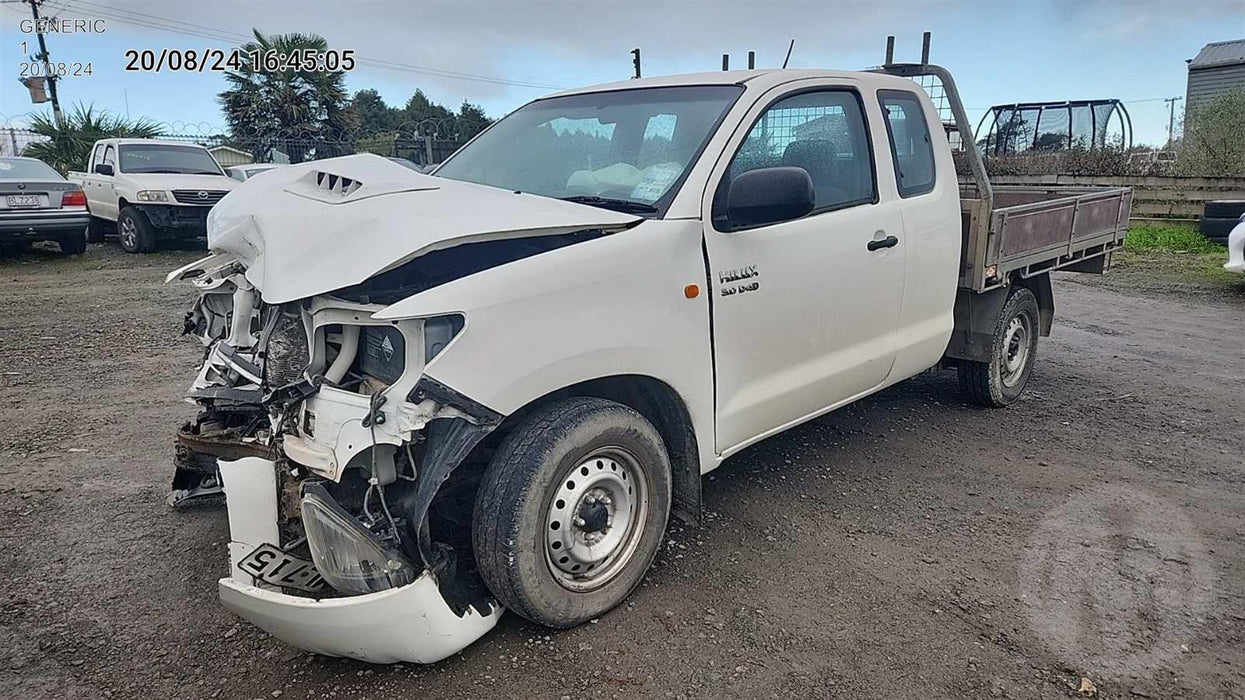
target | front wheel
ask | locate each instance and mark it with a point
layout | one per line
(135, 231)
(571, 511)
(1001, 380)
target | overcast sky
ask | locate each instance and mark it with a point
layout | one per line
(999, 51)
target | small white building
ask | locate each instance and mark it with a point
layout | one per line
(228, 155)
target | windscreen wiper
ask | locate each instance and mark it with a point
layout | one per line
(624, 205)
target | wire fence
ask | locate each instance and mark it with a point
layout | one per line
(421, 149)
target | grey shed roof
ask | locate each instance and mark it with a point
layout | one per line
(1220, 53)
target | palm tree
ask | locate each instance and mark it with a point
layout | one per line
(67, 148)
(273, 106)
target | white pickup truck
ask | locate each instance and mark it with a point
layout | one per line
(151, 190)
(438, 397)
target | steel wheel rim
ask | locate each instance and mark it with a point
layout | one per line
(1015, 350)
(128, 232)
(580, 556)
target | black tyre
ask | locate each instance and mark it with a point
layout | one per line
(1002, 380)
(96, 229)
(135, 232)
(571, 511)
(1214, 228)
(73, 244)
(1224, 209)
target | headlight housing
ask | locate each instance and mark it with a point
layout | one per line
(152, 196)
(438, 332)
(349, 557)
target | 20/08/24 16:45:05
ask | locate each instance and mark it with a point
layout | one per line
(218, 60)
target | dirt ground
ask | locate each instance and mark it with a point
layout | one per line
(907, 546)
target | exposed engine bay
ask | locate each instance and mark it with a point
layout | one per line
(365, 483)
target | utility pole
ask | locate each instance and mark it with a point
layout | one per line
(1171, 118)
(47, 67)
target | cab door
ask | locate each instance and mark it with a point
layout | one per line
(104, 204)
(804, 310)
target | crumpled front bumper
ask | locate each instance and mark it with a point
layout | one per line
(412, 623)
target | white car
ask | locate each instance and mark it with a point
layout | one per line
(242, 173)
(153, 190)
(491, 388)
(1236, 249)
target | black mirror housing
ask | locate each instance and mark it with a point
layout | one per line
(769, 196)
(103, 169)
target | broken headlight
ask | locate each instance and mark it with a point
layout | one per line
(351, 558)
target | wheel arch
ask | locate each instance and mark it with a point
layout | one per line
(660, 405)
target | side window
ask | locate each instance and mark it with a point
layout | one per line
(95, 158)
(110, 157)
(822, 132)
(911, 146)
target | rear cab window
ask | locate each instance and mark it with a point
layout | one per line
(912, 149)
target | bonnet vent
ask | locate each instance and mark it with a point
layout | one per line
(336, 184)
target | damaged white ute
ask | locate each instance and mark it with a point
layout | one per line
(438, 397)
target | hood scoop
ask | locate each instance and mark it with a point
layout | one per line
(342, 185)
(337, 184)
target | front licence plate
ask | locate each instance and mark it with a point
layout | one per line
(271, 565)
(24, 200)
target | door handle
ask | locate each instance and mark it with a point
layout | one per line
(888, 242)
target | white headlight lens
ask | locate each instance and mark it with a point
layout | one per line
(152, 196)
(349, 557)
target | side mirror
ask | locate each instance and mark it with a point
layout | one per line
(769, 196)
(103, 169)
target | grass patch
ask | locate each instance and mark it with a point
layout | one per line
(1167, 261)
(1170, 239)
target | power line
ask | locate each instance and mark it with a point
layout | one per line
(204, 32)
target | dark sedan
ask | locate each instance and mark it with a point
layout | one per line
(37, 204)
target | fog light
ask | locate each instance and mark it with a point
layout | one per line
(349, 557)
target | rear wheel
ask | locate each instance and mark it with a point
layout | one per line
(135, 232)
(1002, 379)
(571, 511)
(73, 244)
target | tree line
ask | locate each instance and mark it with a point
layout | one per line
(290, 103)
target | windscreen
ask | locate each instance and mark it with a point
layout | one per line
(161, 158)
(627, 145)
(22, 169)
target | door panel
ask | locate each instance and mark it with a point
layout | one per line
(929, 202)
(804, 311)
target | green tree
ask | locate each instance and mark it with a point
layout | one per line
(427, 118)
(67, 148)
(286, 104)
(470, 121)
(374, 115)
(1212, 144)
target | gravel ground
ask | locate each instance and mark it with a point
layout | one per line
(1090, 536)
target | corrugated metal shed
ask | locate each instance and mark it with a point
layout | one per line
(1217, 69)
(1218, 54)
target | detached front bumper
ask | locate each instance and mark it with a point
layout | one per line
(410, 623)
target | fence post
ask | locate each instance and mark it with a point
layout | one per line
(427, 150)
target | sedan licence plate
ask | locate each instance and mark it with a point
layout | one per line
(24, 200)
(271, 565)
